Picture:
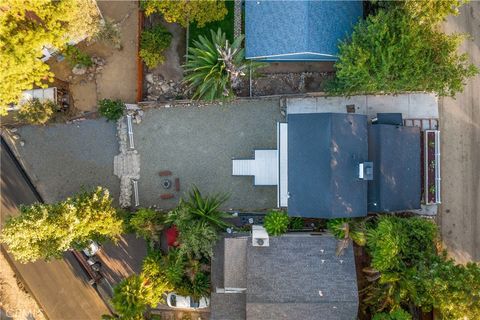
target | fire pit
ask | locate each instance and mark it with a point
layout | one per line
(166, 183)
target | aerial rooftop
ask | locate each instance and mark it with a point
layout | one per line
(298, 276)
(298, 30)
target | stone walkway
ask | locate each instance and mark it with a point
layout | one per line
(126, 165)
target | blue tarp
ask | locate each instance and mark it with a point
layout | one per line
(298, 30)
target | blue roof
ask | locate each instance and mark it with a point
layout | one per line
(324, 151)
(395, 152)
(298, 30)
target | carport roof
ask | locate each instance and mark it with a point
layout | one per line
(298, 30)
(324, 151)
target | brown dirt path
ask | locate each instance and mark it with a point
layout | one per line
(118, 79)
(459, 215)
(15, 302)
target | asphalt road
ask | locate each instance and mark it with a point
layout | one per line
(459, 215)
(60, 286)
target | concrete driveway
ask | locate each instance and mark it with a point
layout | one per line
(197, 145)
(459, 216)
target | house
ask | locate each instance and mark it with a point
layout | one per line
(339, 165)
(295, 276)
(298, 30)
(324, 153)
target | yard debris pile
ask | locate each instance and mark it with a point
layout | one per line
(160, 89)
(97, 66)
(267, 84)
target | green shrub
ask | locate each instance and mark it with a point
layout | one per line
(411, 273)
(147, 223)
(397, 314)
(215, 67)
(132, 296)
(111, 109)
(428, 12)
(276, 223)
(184, 12)
(75, 56)
(154, 269)
(206, 208)
(153, 43)
(198, 220)
(391, 53)
(35, 111)
(353, 229)
(197, 239)
(199, 287)
(296, 223)
(399, 242)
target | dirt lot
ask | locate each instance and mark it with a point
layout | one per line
(117, 79)
(459, 215)
(15, 302)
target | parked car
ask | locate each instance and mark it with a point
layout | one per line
(176, 301)
(89, 252)
(91, 249)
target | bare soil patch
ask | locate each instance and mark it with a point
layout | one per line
(15, 301)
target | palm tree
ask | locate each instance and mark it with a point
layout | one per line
(215, 67)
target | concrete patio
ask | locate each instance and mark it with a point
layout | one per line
(412, 105)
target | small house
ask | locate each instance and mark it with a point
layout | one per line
(298, 30)
(295, 276)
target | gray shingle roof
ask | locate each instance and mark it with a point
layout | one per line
(297, 277)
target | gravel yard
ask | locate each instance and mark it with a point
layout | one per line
(62, 158)
(197, 145)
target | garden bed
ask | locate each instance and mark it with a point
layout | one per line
(432, 166)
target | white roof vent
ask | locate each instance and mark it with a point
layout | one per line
(259, 236)
(365, 171)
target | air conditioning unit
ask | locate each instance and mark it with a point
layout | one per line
(259, 236)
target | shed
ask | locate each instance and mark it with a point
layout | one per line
(324, 153)
(395, 152)
(298, 30)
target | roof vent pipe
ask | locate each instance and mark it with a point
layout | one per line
(365, 171)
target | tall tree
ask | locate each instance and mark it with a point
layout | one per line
(26, 27)
(401, 49)
(45, 231)
(184, 12)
